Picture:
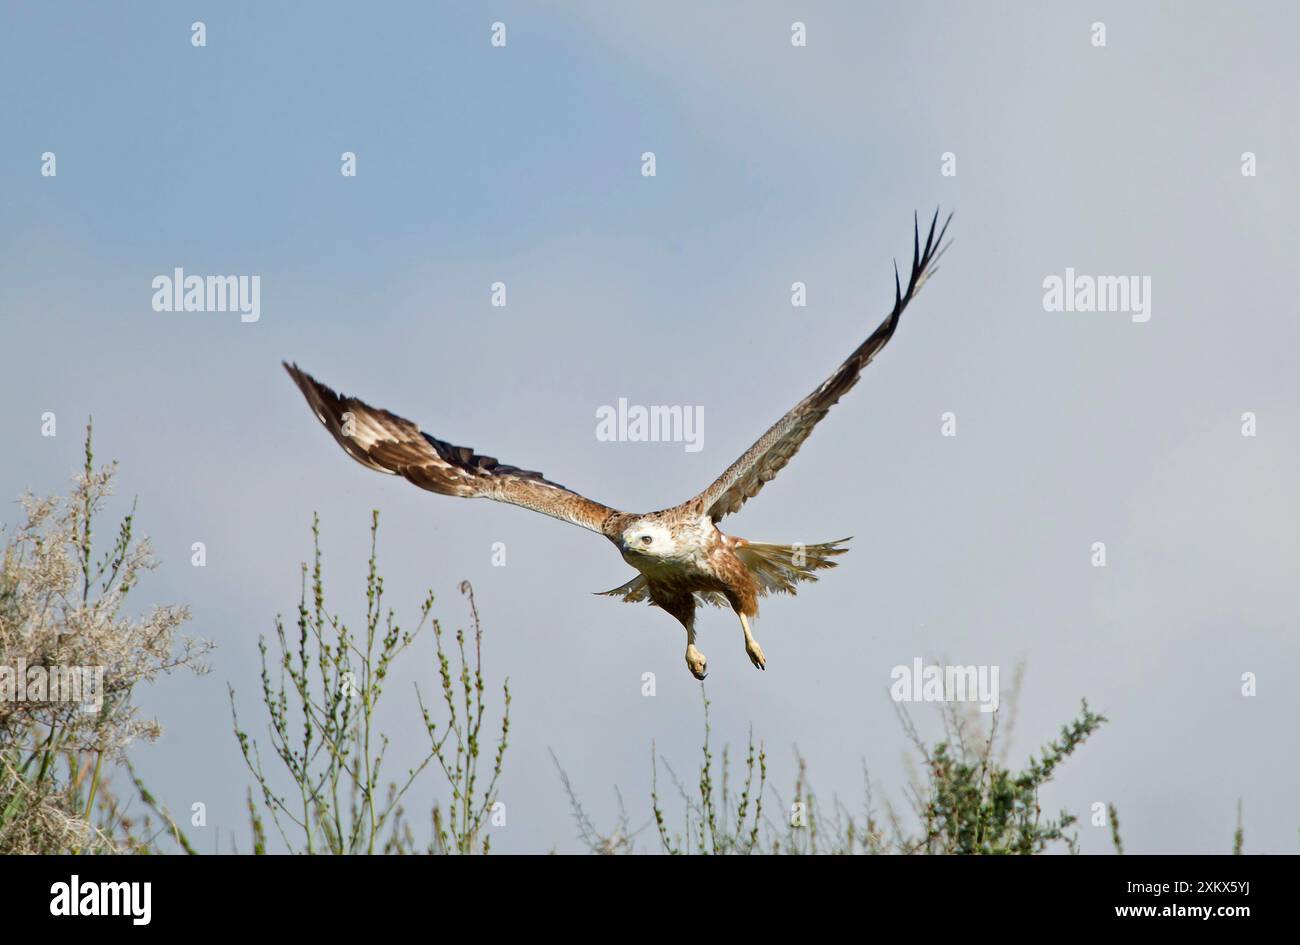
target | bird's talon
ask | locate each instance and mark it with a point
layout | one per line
(696, 663)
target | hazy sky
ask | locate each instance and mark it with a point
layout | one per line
(775, 164)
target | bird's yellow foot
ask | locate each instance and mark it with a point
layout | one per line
(751, 645)
(696, 662)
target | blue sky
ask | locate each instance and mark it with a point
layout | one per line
(774, 164)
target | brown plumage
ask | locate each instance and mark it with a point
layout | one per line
(681, 557)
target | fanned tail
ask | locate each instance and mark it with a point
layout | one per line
(778, 568)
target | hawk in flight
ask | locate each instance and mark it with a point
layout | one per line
(682, 558)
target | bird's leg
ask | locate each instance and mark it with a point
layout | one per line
(751, 645)
(695, 660)
(682, 607)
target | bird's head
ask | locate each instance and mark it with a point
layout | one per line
(648, 539)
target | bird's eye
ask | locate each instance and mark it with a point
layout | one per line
(646, 539)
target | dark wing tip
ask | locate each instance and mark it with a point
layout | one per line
(943, 229)
(923, 259)
(295, 372)
(311, 388)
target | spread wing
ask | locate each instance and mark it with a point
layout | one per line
(768, 456)
(387, 443)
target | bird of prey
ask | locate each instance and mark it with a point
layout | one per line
(682, 558)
